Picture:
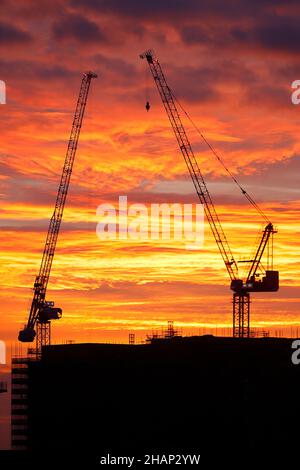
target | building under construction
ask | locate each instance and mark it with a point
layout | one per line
(173, 394)
(176, 395)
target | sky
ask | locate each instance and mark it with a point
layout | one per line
(231, 65)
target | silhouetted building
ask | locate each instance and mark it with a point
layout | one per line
(207, 395)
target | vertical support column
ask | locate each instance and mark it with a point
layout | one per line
(241, 315)
(43, 336)
(170, 331)
(131, 338)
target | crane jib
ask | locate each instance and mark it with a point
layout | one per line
(192, 164)
(40, 310)
(270, 281)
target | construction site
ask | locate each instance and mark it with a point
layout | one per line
(70, 403)
(179, 393)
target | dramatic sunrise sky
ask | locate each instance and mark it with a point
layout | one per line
(231, 64)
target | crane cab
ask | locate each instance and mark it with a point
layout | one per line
(49, 313)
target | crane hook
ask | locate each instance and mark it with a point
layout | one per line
(147, 106)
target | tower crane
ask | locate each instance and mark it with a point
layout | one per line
(42, 311)
(267, 280)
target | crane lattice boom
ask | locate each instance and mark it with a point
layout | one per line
(269, 283)
(42, 311)
(192, 164)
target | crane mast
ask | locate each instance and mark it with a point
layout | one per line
(43, 311)
(241, 297)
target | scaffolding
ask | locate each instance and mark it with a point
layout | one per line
(168, 333)
(19, 399)
(131, 338)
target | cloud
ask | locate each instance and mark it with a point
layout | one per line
(10, 35)
(78, 28)
(137, 9)
(284, 173)
(180, 10)
(274, 32)
(32, 69)
(196, 34)
(116, 70)
(264, 31)
(271, 181)
(203, 82)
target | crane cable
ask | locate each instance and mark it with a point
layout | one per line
(244, 192)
